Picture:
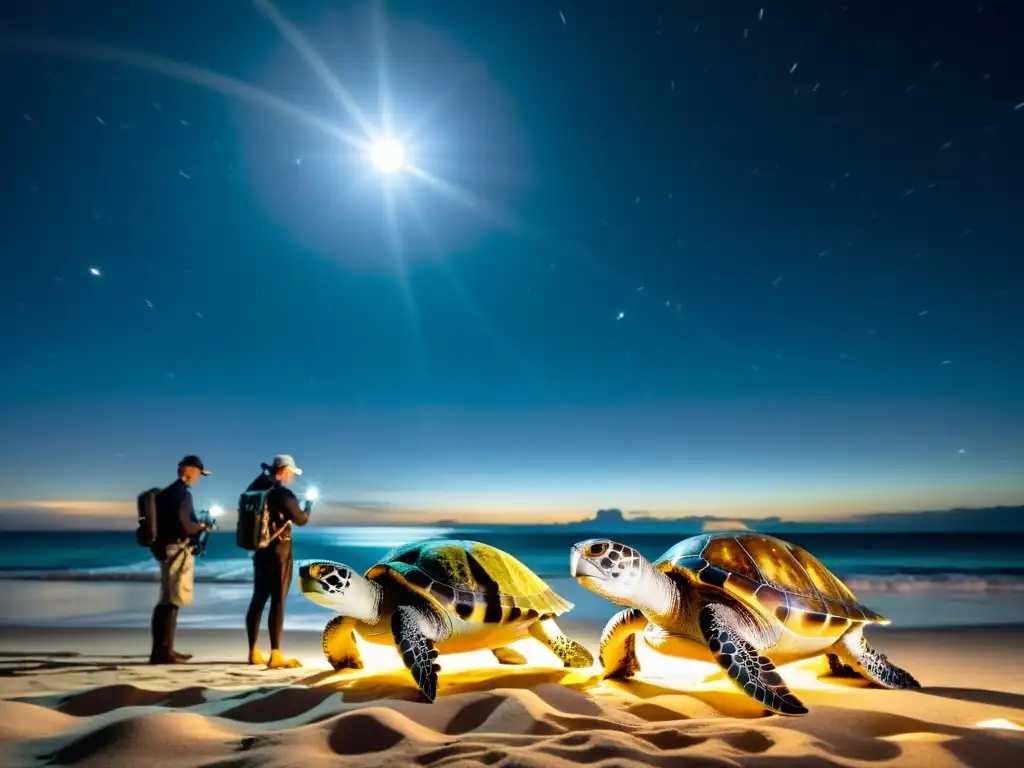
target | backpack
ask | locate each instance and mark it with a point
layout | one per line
(146, 532)
(252, 531)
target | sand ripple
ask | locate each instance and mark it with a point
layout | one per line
(70, 710)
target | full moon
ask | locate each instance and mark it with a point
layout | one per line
(387, 156)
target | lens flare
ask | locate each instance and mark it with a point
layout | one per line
(387, 156)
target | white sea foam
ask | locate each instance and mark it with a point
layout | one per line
(239, 571)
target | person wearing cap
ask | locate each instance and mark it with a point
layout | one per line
(272, 566)
(175, 524)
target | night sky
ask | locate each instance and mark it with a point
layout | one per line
(679, 257)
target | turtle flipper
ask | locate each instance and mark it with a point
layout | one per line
(408, 626)
(853, 649)
(506, 655)
(618, 643)
(838, 669)
(340, 644)
(572, 654)
(751, 672)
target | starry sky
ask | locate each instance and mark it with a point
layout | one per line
(739, 258)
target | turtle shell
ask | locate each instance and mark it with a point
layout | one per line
(778, 579)
(474, 581)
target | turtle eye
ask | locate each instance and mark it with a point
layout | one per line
(314, 571)
(598, 549)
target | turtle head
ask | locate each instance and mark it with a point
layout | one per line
(338, 587)
(608, 568)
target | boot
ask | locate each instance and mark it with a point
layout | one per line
(174, 630)
(162, 628)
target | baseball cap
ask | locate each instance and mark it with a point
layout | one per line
(194, 461)
(284, 460)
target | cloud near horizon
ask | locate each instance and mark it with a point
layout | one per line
(91, 514)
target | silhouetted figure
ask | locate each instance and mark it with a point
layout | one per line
(272, 564)
(176, 523)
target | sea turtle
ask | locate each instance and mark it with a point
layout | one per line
(438, 596)
(743, 600)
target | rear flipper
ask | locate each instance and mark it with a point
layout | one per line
(506, 655)
(618, 643)
(571, 653)
(853, 650)
(754, 674)
(836, 668)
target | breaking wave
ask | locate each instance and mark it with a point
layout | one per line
(216, 571)
(239, 571)
(946, 582)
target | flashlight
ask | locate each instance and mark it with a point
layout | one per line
(216, 511)
(312, 494)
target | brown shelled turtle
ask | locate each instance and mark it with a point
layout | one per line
(743, 600)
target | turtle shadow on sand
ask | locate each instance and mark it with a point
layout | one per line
(726, 703)
(978, 696)
(359, 688)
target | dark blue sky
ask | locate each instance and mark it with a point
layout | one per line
(700, 258)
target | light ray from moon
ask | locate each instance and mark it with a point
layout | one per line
(309, 54)
(383, 84)
(190, 73)
(462, 196)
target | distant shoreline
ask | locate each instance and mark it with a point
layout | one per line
(682, 528)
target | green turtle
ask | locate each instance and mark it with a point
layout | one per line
(743, 600)
(438, 596)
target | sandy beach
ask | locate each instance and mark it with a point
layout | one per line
(87, 698)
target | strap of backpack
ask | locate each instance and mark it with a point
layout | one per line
(279, 532)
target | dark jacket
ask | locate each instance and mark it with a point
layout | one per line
(175, 515)
(282, 506)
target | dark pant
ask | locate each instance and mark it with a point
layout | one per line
(272, 576)
(163, 626)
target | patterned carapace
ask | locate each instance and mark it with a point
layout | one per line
(777, 578)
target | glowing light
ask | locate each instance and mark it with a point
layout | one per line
(94, 272)
(1001, 722)
(216, 511)
(312, 494)
(387, 156)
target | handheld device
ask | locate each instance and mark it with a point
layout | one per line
(199, 540)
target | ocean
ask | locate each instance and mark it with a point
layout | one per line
(104, 579)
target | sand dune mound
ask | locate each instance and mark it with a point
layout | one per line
(548, 725)
(227, 716)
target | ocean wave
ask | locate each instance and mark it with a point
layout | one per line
(933, 582)
(239, 571)
(217, 571)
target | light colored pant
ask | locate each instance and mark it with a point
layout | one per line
(177, 575)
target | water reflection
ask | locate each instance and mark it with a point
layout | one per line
(382, 537)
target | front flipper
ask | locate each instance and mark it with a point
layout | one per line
(753, 673)
(340, 644)
(410, 627)
(506, 655)
(618, 643)
(572, 654)
(853, 649)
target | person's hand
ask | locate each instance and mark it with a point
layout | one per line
(309, 506)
